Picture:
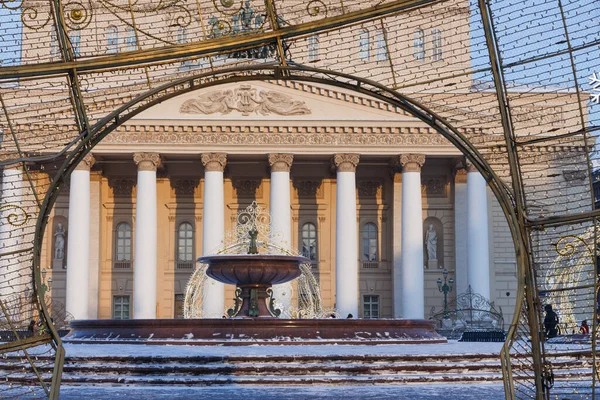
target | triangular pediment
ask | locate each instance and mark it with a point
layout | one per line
(257, 102)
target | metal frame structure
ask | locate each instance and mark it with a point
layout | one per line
(523, 379)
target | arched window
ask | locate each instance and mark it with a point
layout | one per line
(363, 45)
(370, 244)
(130, 40)
(309, 241)
(419, 45)
(185, 245)
(436, 45)
(313, 48)
(112, 40)
(123, 246)
(381, 53)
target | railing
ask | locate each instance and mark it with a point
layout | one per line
(122, 265)
(370, 264)
(184, 265)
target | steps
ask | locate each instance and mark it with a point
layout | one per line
(285, 370)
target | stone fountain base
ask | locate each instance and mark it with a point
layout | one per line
(253, 330)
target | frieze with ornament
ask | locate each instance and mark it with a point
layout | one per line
(299, 139)
(247, 188)
(369, 188)
(434, 186)
(184, 187)
(309, 188)
(121, 187)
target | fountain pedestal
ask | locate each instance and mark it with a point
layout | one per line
(253, 274)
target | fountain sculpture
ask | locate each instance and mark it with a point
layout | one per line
(253, 274)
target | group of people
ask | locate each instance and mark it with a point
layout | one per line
(552, 327)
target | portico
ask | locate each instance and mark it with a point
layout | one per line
(351, 187)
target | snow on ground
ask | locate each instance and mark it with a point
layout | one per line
(366, 392)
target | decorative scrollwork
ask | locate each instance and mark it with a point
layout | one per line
(316, 7)
(276, 312)
(569, 248)
(228, 7)
(16, 218)
(232, 312)
(78, 15)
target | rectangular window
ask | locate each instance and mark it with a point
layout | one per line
(363, 45)
(436, 44)
(121, 308)
(419, 45)
(179, 306)
(370, 306)
(381, 53)
(75, 38)
(313, 48)
(130, 40)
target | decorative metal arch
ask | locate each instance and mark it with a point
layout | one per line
(534, 230)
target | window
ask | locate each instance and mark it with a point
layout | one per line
(54, 49)
(419, 45)
(181, 35)
(123, 246)
(121, 307)
(370, 306)
(369, 239)
(363, 45)
(381, 53)
(185, 246)
(112, 40)
(436, 44)
(130, 40)
(179, 299)
(313, 48)
(309, 241)
(75, 38)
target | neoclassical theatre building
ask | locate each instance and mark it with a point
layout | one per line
(377, 200)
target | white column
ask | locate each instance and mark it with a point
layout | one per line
(281, 225)
(413, 286)
(460, 230)
(397, 245)
(145, 259)
(78, 248)
(346, 235)
(478, 254)
(94, 260)
(13, 219)
(213, 229)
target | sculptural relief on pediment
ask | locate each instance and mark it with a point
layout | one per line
(245, 99)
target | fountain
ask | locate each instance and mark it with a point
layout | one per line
(249, 259)
(253, 274)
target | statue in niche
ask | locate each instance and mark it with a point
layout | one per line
(59, 242)
(431, 243)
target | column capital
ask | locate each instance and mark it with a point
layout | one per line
(214, 161)
(412, 162)
(460, 176)
(87, 163)
(346, 162)
(280, 162)
(146, 161)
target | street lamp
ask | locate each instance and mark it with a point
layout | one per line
(48, 287)
(445, 288)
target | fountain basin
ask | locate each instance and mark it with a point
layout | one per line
(253, 269)
(253, 274)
